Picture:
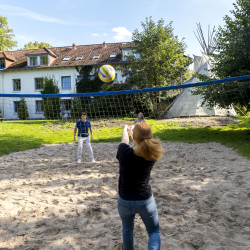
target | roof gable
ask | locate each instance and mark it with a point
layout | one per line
(8, 56)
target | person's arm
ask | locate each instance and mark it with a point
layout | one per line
(91, 132)
(125, 137)
(75, 133)
(130, 130)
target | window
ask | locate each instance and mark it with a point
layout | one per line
(112, 55)
(78, 78)
(33, 60)
(66, 103)
(16, 105)
(2, 63)
(39, 83)
(96, 56)
(44, 60)
(16, 84)
(38, 60)
(79, 58)
(39, 106)
(66, 82)
(130, 52)
(66, 58)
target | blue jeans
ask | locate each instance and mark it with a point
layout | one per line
(147, 209)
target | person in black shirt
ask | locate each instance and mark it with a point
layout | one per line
(135, 194)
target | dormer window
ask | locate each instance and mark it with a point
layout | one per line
(38, 60)
(96, 56)
(33, 60)
(129, 52)
(66, 58)
(113, 55)
(79, 58)
(44, 60)
(2, 63)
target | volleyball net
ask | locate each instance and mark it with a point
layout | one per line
(224, 97)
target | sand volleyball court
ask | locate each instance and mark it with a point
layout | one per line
(48, 201)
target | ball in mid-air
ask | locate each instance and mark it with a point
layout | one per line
(106, 73)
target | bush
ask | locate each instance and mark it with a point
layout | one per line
(51, 105)
(22, 111)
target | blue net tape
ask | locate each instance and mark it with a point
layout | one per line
(132, 91)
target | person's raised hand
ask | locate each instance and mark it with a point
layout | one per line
(130, 130)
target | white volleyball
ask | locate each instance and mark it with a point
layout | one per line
(106, 73)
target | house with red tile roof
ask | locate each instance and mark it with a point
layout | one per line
(22, 71)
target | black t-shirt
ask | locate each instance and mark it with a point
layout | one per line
(134, 174)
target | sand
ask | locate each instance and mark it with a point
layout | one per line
(48, 201)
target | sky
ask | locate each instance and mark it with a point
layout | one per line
(64, 22)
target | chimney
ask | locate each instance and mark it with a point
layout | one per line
(74, 46)
(104, 44)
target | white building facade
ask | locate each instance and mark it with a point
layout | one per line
(27, 77)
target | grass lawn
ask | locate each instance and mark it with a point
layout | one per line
(23, 135)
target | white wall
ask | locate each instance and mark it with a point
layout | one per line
(1, 91)
(27, 78)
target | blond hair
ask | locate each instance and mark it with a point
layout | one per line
(147, 147)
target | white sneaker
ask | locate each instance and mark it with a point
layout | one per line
(93, 160)
(79, 161)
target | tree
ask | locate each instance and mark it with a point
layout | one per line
(22, 111)
(158, 56)
(157, 60)
(105, 105)
(76, 108)
(89, 82)
(51, 105)
(36, 45)
(232, 45)
(6, 35)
